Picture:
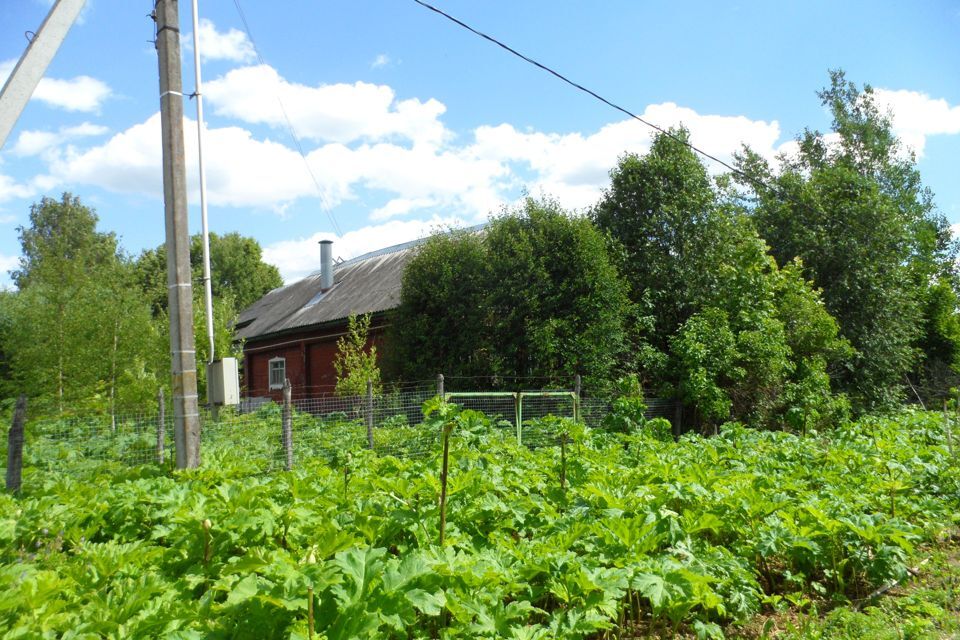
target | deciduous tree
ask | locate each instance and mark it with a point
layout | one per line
(722, 336)
(77, 321)
(852, 207)
(534, 295)
(356, 362)
(237, 270)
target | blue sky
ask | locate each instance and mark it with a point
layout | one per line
(408, 122)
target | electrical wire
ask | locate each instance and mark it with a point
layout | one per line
(293, 133)
(753, 180)
(759, 184)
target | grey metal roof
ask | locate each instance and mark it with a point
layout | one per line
(366, 284)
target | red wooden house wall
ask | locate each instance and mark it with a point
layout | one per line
(309, 357)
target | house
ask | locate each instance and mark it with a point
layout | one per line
(292, 331)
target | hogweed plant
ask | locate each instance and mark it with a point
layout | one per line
(590, 534)
(206, 524)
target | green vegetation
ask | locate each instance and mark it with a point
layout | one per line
(785, 293)
(237, 270)
(856, 213)
(87, 327)
(355, 363)
(78, 336)
(726, 331)
(536, 295)
(611, 535)
(788, 297)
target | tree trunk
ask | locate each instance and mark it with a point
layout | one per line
(15, 446)
(60, 361)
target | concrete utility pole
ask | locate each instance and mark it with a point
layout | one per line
(33, 63)
(179, 290)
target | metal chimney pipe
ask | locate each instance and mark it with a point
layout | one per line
(326, 264)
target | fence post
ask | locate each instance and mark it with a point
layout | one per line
(440, 385)
(577, 390)
(15, 446)
(948, 432)
(161, 425)
(677, 418)
(369, 413)
(518, 414)
(287, 424)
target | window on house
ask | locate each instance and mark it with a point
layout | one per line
(278, 372)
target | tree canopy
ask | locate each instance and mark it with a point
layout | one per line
(535, 295)
(61, 244)
(786, 292)
(851, 206)
(721, 331)
(87, 326)
(356, 361)
(78, 331)
(237, 270)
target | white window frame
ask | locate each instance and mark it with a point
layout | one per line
(270, 371)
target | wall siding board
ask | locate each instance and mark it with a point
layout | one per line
(309, 362)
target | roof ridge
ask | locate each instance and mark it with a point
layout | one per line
(376, 253)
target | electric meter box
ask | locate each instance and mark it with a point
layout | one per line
(223, 382)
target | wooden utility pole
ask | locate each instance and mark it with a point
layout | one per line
(186, 427)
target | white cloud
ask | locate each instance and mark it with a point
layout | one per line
(10, 189)
(400, 207)
(330, 113)
(298, 258)
(241, 171)
(718, 135)
(31, 143)
(128, 162)
(414, 173)
(81, 93)
(381, 60)
(232, 45)
(245, 171)
(84, 129)
(7, 264)
(7, 218)
(428, 170)
(916, 115)
(574, 167)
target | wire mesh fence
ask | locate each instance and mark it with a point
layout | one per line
(593, 410)
(322, 430)
(132, 439)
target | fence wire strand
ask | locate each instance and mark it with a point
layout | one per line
(324, 430)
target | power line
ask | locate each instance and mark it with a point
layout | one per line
(751, 179)
(293, 133)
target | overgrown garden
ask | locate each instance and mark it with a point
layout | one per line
(790, 307)
(612, 535)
